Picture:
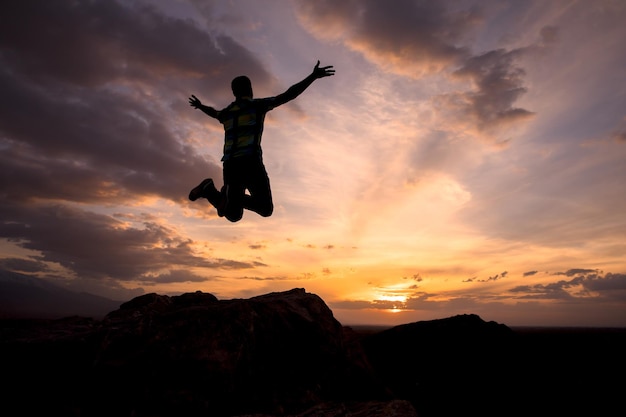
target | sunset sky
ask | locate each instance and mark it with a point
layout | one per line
(466, 157)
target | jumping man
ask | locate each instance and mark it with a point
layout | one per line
(242, 163)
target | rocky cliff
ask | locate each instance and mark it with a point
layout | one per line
(280, 353)
(284, 354)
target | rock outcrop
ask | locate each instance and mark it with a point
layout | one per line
(278, 354)
(459, 365)
(285, 355)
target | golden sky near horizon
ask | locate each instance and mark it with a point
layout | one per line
(466, 157)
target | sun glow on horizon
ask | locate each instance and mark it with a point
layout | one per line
(395, 298)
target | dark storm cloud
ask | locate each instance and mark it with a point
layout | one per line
(91, 91)
(22, 265)
(91, 43)
(83, 145)
(100, 246)
(498, 84)
(85, 88)
(404, 32)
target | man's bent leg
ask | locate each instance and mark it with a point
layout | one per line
(233, 190)
(216, 198)
(260, 198)
(247, 173)
(234, 199)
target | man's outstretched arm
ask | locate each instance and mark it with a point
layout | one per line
(194, 102)
(297, 89)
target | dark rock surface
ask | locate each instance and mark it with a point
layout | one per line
(284, 354)
(448, 366)
(463, 365)
(189, 355)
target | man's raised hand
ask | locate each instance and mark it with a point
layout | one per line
(194, 102)
(320, 72)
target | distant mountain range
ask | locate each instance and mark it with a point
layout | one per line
(24, 296)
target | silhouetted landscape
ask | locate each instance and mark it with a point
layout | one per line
(284, 354)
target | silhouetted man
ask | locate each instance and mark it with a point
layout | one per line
(243, 167)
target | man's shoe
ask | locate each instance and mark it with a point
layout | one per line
(200, 190)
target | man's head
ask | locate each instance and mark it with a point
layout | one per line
(241, 86)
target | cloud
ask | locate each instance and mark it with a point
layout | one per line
(415, 277)
(412, 38)
(585, 284)
(94, 111)
(619, 136)
(498, 83)
(270, 278)
(94, 120)
(97, 42)
(81, 152)
(350, 304)
(97, 246)
(23, 265)
(97, 116)
(610, 282)
(417, 39)
(173, 276)
(553, 291)
(619, 133)
(91, 94)
(496, 277)
(583, 299)
(232, 264)
(550, 35)
(577, 271)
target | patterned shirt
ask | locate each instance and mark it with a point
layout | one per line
(243, 126)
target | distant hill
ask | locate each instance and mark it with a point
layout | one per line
(24, 296)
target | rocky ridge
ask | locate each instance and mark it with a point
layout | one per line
(285, 355)
(279, 353)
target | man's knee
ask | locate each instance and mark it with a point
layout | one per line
(234, 217)
(267, 210)
(233, 214)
